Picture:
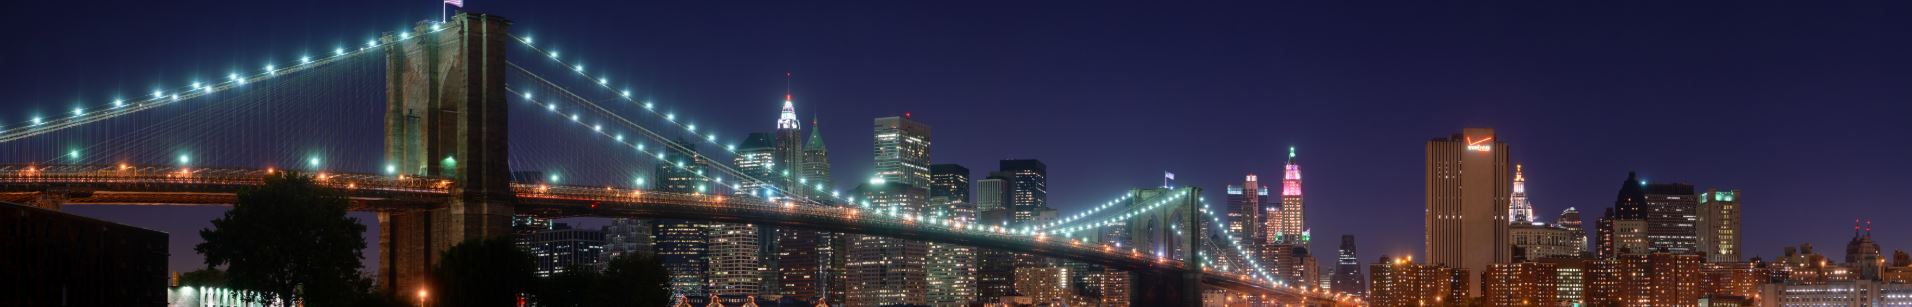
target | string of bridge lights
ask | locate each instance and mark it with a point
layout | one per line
(1235, 242)
(1091, 212)
(1069, 231)
(646, 132)
(81, 114)
(689, 126)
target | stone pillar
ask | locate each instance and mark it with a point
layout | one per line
(446, 117)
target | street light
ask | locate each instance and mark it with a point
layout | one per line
(422, 294)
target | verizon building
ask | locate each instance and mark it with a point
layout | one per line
(1467, 200)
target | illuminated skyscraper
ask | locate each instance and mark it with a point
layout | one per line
(1294, 228)
(812, 262)
(1576, 227)
(1672, 217)
(1522, 211)
(1245, 204)
(902, 151)
(1719, 225)
(1028, 193)
(1467, 191)
(756, 158)
(683, 245)
(883, 270)
(1623, 229)
(734, 271)
(1347, 270)
(951, 267)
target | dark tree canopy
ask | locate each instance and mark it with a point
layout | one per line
(289, 239)
(482, 272)
(629, 280)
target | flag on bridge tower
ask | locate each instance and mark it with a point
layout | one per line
(457, 3)
(1168, 179)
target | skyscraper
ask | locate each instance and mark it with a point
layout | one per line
(1719, 225)
(1294, 228)
(902, 151)
(812, 262)
(1347, 270)
(990, 192)
(1672, 217)
(1864, 255)
(884, 270)
(1467, 190)
(734, 272)
(1522, 211)
(1576, 228)
(627, 237)
(1245, 204)
(951, 267)
(562, 248)
(1623, 228)
(995, 269)
(683, 245)
(1028, 193)
(756, 158)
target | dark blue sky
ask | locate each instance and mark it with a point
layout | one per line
(1802, 105)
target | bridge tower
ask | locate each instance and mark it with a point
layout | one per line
(445, 117)
(1152, 233)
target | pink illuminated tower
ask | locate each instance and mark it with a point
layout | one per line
(1294, 227)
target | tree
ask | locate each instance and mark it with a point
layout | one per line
(207, 277)
(636, 279)
(482, 272)
(629, 280)
(287, 240)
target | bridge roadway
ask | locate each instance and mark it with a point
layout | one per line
(149, 185)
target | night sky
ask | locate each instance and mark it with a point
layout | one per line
(1801, 105)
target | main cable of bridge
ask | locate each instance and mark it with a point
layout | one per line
(80, 115)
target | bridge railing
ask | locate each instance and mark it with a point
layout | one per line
(129, 174)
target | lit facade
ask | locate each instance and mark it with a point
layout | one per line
(562, 249)
(734, 261)
(951, 267)
(683, 245)
(1245, 207)
(1521, 284)
(1395, 282)
(1467, 191)
(1521, 210)
(1855, 293)
(884, 270)
(902, 151)
(1719, 225)
(1294, 227)
(1672, 217)
(1540, 241)
(1347, 270)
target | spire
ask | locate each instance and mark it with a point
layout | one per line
(816, 136)
(788, 120)
(1520, 210)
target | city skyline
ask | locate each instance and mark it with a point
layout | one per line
(1579, 157)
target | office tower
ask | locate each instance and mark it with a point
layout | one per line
(807, 260)
(1245, 204)
(1521, 211)
(991, 193)
(1672, 217)
(1293, 227)
(1623, 228)
(1719, 225)
(734, 271)
(1028, 187)
(995, 269)
(1044, 285)
(788, 148)
(756, 158)
(884, 270)
(1467, 190)
(951, 267)
(1862, 254)
(1576, 229)
(1839, 293)
(950, 181)
(1534, 241)
(1521, 284)
(902, 151)
(626, 237)
(562, 248)
(682, 245)
(1347, 270)
(1401, 282)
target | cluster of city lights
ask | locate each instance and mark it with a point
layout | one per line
(82, 114)
(1235, 242)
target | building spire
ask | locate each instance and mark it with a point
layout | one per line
(1291, 179)
(788, 120)
(1521, 210)
(816, 135)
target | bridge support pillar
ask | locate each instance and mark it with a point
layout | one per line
(446, 117)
